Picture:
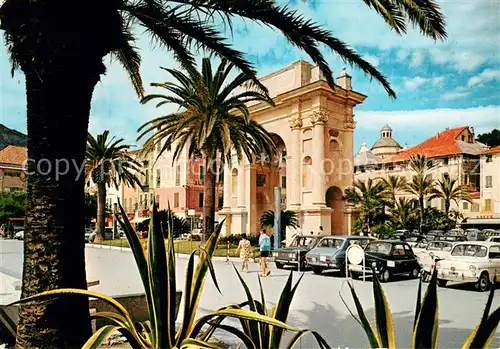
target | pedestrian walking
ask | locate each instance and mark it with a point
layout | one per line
(245, 249)
(265, 249)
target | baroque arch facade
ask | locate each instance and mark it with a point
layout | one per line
(314, 126)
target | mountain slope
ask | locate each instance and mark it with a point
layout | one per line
(11, 137)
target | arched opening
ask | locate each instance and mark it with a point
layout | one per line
(334, 199)
(307, 172)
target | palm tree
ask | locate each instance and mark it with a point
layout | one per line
(450, 190)
(403, 213)
(370, 197)
(287, 219)
(421, 186)
(109, 164)
(394, 184)
(213, 120)
(55, 47)
(179, 226)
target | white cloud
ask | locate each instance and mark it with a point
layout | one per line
(484, 76)
(374, 60)
(416, 125)
(402, 55)
(449, 96)
(417, 81)
(416, 59)
(461, 61)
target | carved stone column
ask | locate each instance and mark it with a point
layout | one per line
(318, 120)
(241, 184)
(228, 187)
(295, 188)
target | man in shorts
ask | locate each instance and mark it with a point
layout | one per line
(265, 249)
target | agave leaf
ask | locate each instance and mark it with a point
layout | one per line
(483, 334)
(249, 344)
(211, 269)
(9, 325)
(183, 330)
(158, 274)
(100, 336)
(200, 274)
(265, 330)
(283, 308)
(118, 319)
(370, 333)
(140, 261)
(419, 303)
(191, 343)
(240, 314)
(425, 334)
(262, 298)
(322, 344)
(171, 282)
(254, 328)
(383, 316)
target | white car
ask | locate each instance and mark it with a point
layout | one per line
(426, 257)
(493, 239)
(471, 262)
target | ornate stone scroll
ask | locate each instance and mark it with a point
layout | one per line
(319, 116)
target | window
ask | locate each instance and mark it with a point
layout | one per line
(489, 158)
(487, 205)
(158, 146)
(151, 197)
(178, 175)
(157, 199)
(200, 200)
(463, 138)
(474, 208)
(466, 205)
(283, 181)
(494, 252)
(489, 181)
(398, 250)
(158, 178)
(176, 199)
(202, 173)
(445, 161)
(221, 202)
(12, 174)
(283, 156)
(146, 174)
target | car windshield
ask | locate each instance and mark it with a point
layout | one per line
(470, 251)
(379, 247)
(331, 243)
(438, 245)
(302, 241)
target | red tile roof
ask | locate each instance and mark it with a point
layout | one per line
(442, 144)
(13, 154)
(493, 150)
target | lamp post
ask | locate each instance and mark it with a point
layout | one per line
(277, 217)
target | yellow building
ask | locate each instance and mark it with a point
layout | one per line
(13, 161)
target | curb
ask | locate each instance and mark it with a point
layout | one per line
(179, 255)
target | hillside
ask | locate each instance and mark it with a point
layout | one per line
(11, 137)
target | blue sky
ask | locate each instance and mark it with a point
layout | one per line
(439, 84)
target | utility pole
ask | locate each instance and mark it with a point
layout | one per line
(277, 217)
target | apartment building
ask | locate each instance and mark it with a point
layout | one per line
(453, 152)
(13, 162)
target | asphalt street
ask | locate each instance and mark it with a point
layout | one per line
(317, 304)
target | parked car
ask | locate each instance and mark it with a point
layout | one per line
(387, 258)
(472, 262)
(427, 258)
(295, 254)
(89, 235)
(329, 253)
(493, 239)
(472, 234)
(19, 235)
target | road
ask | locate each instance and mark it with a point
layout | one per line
(316, 305)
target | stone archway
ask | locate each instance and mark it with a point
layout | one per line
(335, 200)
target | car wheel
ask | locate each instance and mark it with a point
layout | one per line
(414, 273)
(385, 276)
(483, 284)
(279, 265)
(317, 270)
(442, 283)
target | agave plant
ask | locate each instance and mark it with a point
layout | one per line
(426, 324)
(157, 271)
(265, 335)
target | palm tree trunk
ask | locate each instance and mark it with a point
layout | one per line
(421, 204)
(58, 107)
(101, 211)
(209, 195)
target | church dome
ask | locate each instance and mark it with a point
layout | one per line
(386, 145)
(386, 142)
